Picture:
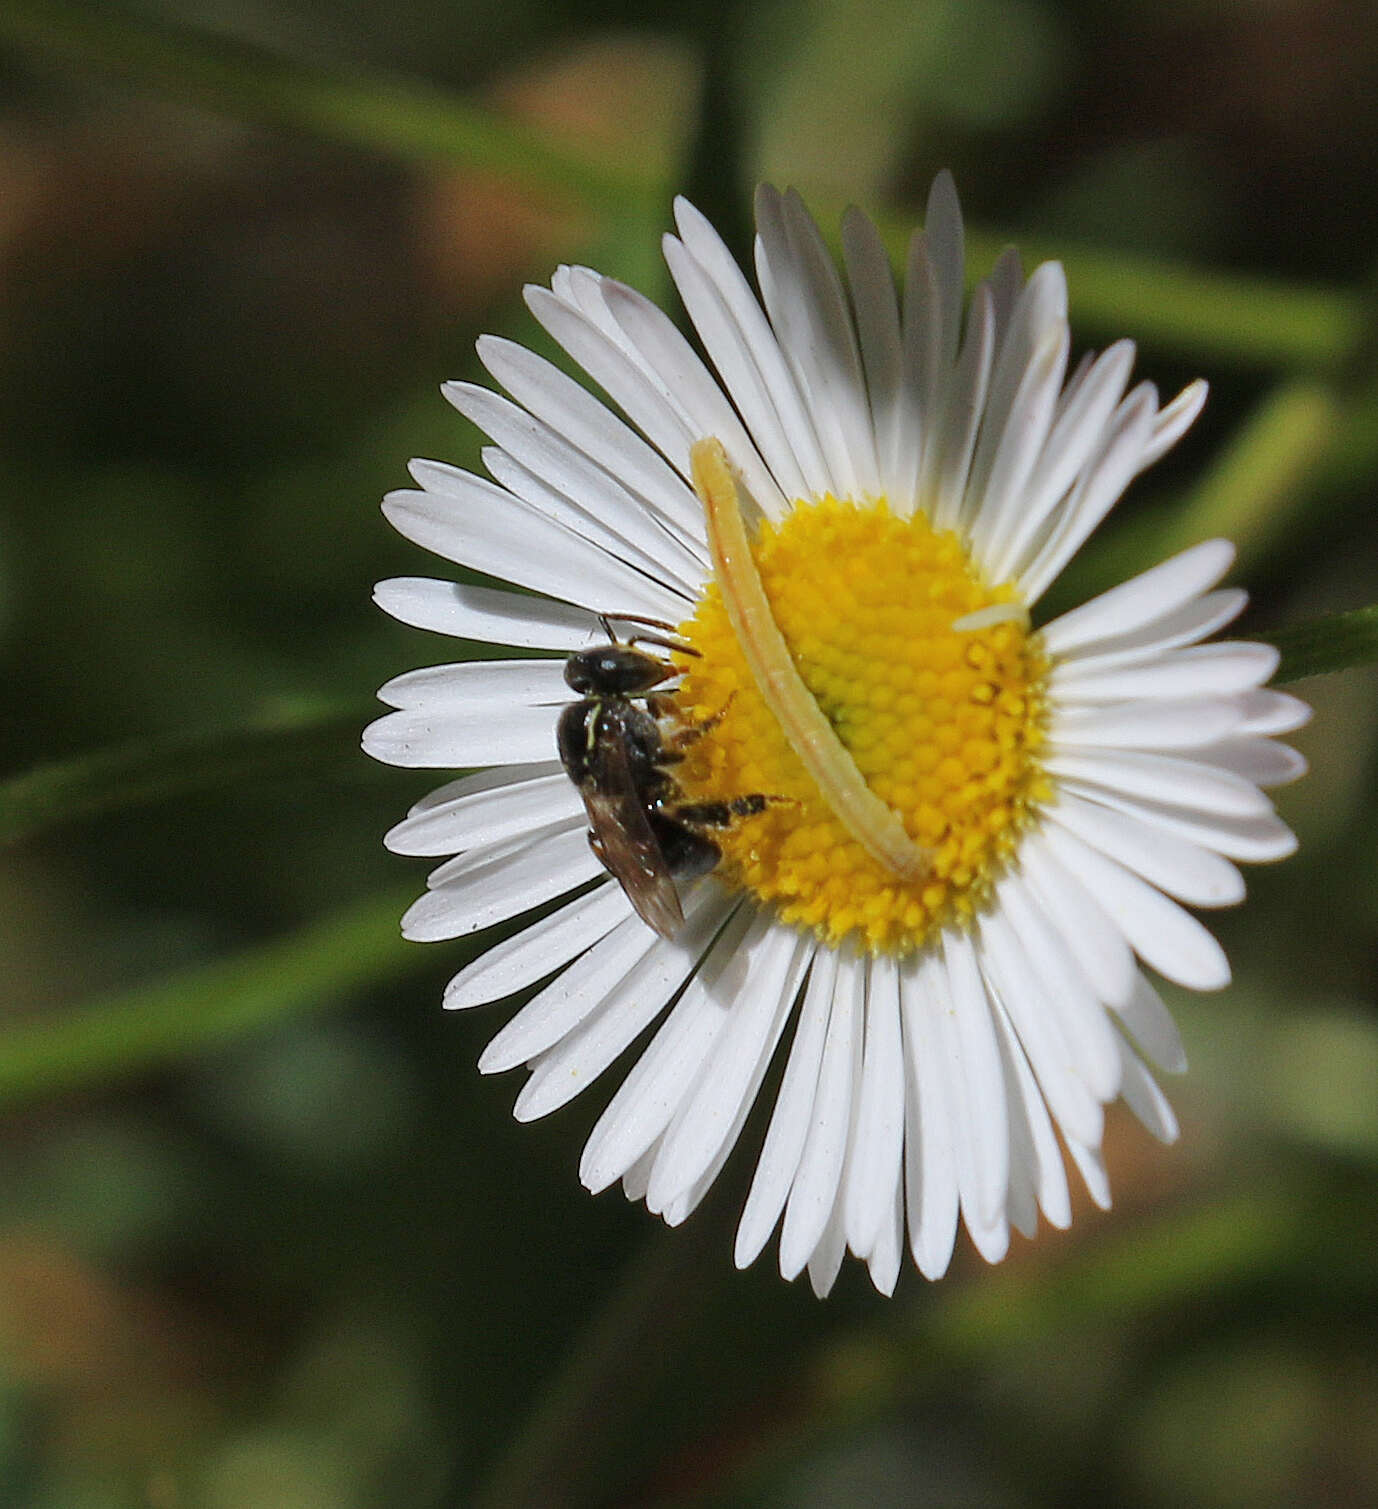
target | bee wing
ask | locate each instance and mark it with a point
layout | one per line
(623, 839)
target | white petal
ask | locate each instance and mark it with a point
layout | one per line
(789, 1125)
(1200, 670)
(1036, 332)
(492, 684)
(570, 410)
(740, 303)
(539, 948)
(564, 487)
(826, 1258)
(1262, 761)
(576, 490)
(875, 1166)
(684, 1204)
(1191, 622)
(1258, 838)
(736, 360)
(878, 329)
(1098, 946)
(1083, 413)
(1146, 1100)
(1150, 1024)
(486, 615)
(1031, 1014)
(967, 1030)
(1004, 494)
(927, 371)
(654, 1090)
(945, 237)
(1271, 712)
(1089, 1040)
(991, 1238)
(638, 1176)
(1160, 778)
(513, 880)
(816, 1188)
(482, 526)
(1091, 1167)
(692, 388)
(1006, 284)
(1164, 724)
(1142, 600)
(1180, 868)
(1038, 1180)
(930, 1163)
(1174, 421)
(476, 735)
(557, 1010)
(756, 1005)
(582, 1055)
(947, 457)
(888, 1251)
(483, 817)
(808, 310)
(1158, 930)
(481, 780)
(589, 334)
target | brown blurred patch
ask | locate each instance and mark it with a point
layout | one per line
(630, 97)
(127, 1382)
(97, 189)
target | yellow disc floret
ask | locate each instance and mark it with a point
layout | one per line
(939, 703)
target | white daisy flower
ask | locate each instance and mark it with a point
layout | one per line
(945, 841)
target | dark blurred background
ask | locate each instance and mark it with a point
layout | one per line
(267, 1240)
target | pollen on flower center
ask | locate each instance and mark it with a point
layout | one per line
(942, 713)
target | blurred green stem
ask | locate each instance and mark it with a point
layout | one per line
(1283, 471)
(1159, 1267)
(159, 769)
(1212, 316)
(561, 1457)
(1256, 486)
(203, 1007)
(405, 119)
(1207, 316)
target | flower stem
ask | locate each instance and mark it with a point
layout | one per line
(561, 1456)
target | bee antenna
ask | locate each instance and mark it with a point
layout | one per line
(607, 627)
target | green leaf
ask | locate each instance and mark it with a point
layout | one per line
(155, 770)
(1321, 645)
(210, 1004)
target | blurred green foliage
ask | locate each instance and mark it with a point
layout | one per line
(266, 1238)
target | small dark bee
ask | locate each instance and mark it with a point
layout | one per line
(613, 751)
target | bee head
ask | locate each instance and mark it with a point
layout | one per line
(615, 670)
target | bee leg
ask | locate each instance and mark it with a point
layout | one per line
(723, 814)
(674, 643)
(637, 618)
(677, 645)
(660, 705)
(687, 733)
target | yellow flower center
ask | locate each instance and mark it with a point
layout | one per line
(942, 713)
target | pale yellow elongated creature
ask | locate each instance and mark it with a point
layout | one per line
(828, 761)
